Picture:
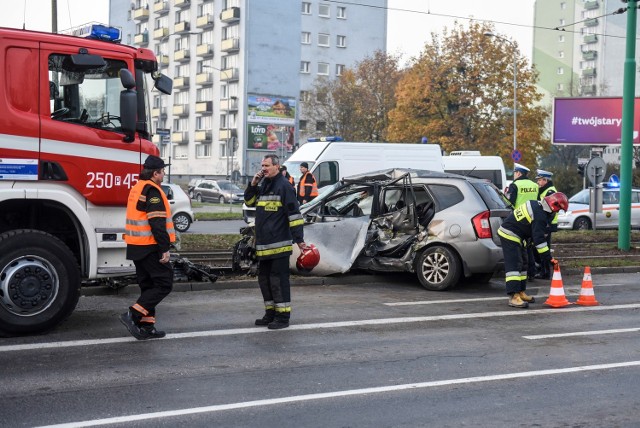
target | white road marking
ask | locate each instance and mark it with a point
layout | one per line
(315, 326)
(345, 393)
(582, 333)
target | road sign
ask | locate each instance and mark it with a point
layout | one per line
(516, 155)
(596, 170)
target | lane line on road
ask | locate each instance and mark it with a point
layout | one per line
(344, 393)
(315, 326)
(582, 333)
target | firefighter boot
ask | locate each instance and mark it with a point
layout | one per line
(516, 301)
(128, 321)
(280, 321)
(269, 315)
(525, 297)
(148, 331)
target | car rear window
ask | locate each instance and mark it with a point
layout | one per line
(446, 196)
(492, 197)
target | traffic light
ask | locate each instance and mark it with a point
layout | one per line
(581, 169)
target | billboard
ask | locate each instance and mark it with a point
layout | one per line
(596, 121)
(270, 137)
(271, 110)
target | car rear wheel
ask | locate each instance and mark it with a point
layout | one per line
(582, 223)
(222, 200)
(199, 197)
(438, 268)
(181, 222)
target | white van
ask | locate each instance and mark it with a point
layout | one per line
(471, 163)
(329, 161)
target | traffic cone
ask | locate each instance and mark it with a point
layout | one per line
(587, 297)
(557, 298)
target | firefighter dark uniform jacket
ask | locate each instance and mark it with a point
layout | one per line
(522, 190)
(149, 224)
(546, 190)
(528, 221)
(307, 188)
(278, 219)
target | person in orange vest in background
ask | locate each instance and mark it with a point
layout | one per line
(307, 187)
(283, 170)
(149, 233)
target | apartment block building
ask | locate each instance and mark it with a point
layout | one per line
(240, 68)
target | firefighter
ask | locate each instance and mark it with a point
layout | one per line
(543, 178)
(527, 222)
(278, 225)
(149, 234)
(307, 187)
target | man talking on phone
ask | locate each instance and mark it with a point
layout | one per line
(278, 226)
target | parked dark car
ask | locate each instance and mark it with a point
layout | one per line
(221, 191)
(440, 226)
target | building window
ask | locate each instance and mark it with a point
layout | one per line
(560, 54)
(563, 5)
(222, 149)
(341, 13)
(321, 126)
(323, 39)
(305, 96)
(323, 68)
(306, 38)
(304, 66)
(302, 125)
(306, 8)
(203, 150)
(560, 87)
(341, 41)
(323, 10)
(339, 69)
(561, 38)
(560, 70)
(562, 22)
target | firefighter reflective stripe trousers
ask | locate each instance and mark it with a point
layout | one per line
(273, 278)
(515, 263)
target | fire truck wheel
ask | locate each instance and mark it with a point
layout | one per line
(39, 282)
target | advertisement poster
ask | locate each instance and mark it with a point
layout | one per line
(590, 121)
(270, 137)
(271, 110)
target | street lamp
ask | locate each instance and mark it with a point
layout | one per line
(515, 99)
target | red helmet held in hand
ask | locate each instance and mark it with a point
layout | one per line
(557, 201)
(308, 259)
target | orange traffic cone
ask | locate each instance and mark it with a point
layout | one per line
(557, 298)
(587, 297)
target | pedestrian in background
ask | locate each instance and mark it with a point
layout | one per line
(149, 233)
(307, 187)
(283, 170)
(543, 178)
(278, 226)
(527, 222)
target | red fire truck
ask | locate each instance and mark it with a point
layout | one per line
(74, 130)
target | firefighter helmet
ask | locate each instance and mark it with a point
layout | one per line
(308, 259)
(557, 201)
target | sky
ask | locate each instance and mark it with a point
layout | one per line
(410, 25)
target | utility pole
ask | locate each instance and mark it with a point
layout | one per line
(54, 16)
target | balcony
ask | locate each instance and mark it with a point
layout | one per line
(161, 7)
(204, 50)
(141, 38)
(231, 14)
(229, 104)
(181, 109)
(181, 27)
(590, 38)
(589, 72)
(591, 4)
(591, 22)
(588, 89)
(203, 136)
(141, 14)
(161, 32)
(181, 55)
(589, 55)
(204, 21)
(229, 74)
(228, 45)
(156, 139)
(156, 111)
(181, 82)
(163, 60)
(225, 134)
(181, 3)
(204, 78)
(204, 107)
(180, 137)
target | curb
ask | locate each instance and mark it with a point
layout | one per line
(297, 281)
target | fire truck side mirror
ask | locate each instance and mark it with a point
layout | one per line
(128, 103)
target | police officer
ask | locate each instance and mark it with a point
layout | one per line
(543, 178)
(307, 187)
(149, 233)
(278, 225)
(521, 190)
(527, 222)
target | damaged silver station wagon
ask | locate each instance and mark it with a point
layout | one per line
(443, 227)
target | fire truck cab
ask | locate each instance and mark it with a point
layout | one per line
(74, 131)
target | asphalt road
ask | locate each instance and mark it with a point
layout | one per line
(356, 355)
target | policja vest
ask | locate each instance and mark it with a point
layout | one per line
(527, 191)
(302, 186)
(137, 227)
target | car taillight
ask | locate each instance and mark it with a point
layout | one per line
(481, 225)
